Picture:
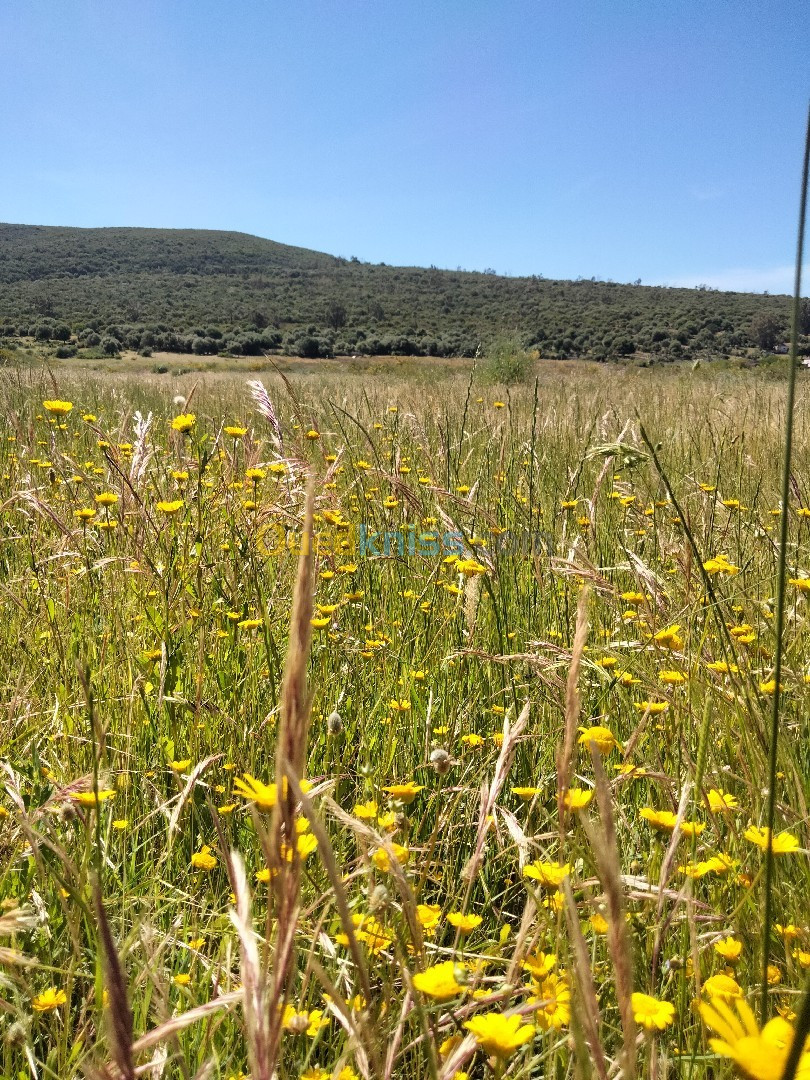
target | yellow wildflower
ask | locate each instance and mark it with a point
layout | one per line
(652, 1013)
(601, 737)
(499, 1035)
(51, 998)
(549, 874)
(440, 981)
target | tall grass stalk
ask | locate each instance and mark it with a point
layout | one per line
(782, 579)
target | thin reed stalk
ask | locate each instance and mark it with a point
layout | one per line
(781, 581)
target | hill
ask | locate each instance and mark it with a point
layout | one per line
(202, 291)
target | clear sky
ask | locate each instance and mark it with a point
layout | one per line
(619, 139)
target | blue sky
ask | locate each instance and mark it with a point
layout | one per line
(620, 139)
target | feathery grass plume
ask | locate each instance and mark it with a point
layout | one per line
(605, 845)
(141, 451)
(490, 792)
(781, 578)
(119, 1013)
(255, 1002)
(265, 406)
(589, 1013)
(472, 596)
(16, 921)
(359, 1028)
(182, 799)
(565, 754)
(169, 1028)
(663, 878)
(291, 755)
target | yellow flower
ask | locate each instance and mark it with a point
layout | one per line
(92, 798)
(313, 434)
(651, 1013)
(382, 860)
(405, 793)
(473, 740)
(465, 924)
(61, 408)
(788, 932)
(203, 859)
(470, 567)
(722, 987)
(665, 821)
(440, 981)
(428, 916)
(51, 998)
(526, 792)
(181, 979)
(729, 948)
(550, 874)
(802, 584)
(721, 801)
(539, 964)
(264, 795)
(184, 422)
(554, 998)
(717, 864)
(758, 1055)
(180, 766)
(577, 798)
(781, 844)
(499, 1035)
(652, 707)
(170, 507)
(365, 811)
(601, 737)
(720, 565)
(370, 931)
(722, 667)
(672, 678)
(669, 637)
(85, 513)
(235, 431)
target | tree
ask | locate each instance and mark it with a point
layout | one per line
(766, 331)
(804, 316)
(335, 314)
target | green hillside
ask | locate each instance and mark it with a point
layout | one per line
(207, 292)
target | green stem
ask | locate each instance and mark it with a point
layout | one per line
(782, 581)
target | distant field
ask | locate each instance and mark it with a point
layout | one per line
(540, 651)
(131, 362)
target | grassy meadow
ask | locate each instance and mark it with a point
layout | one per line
(467, 778)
